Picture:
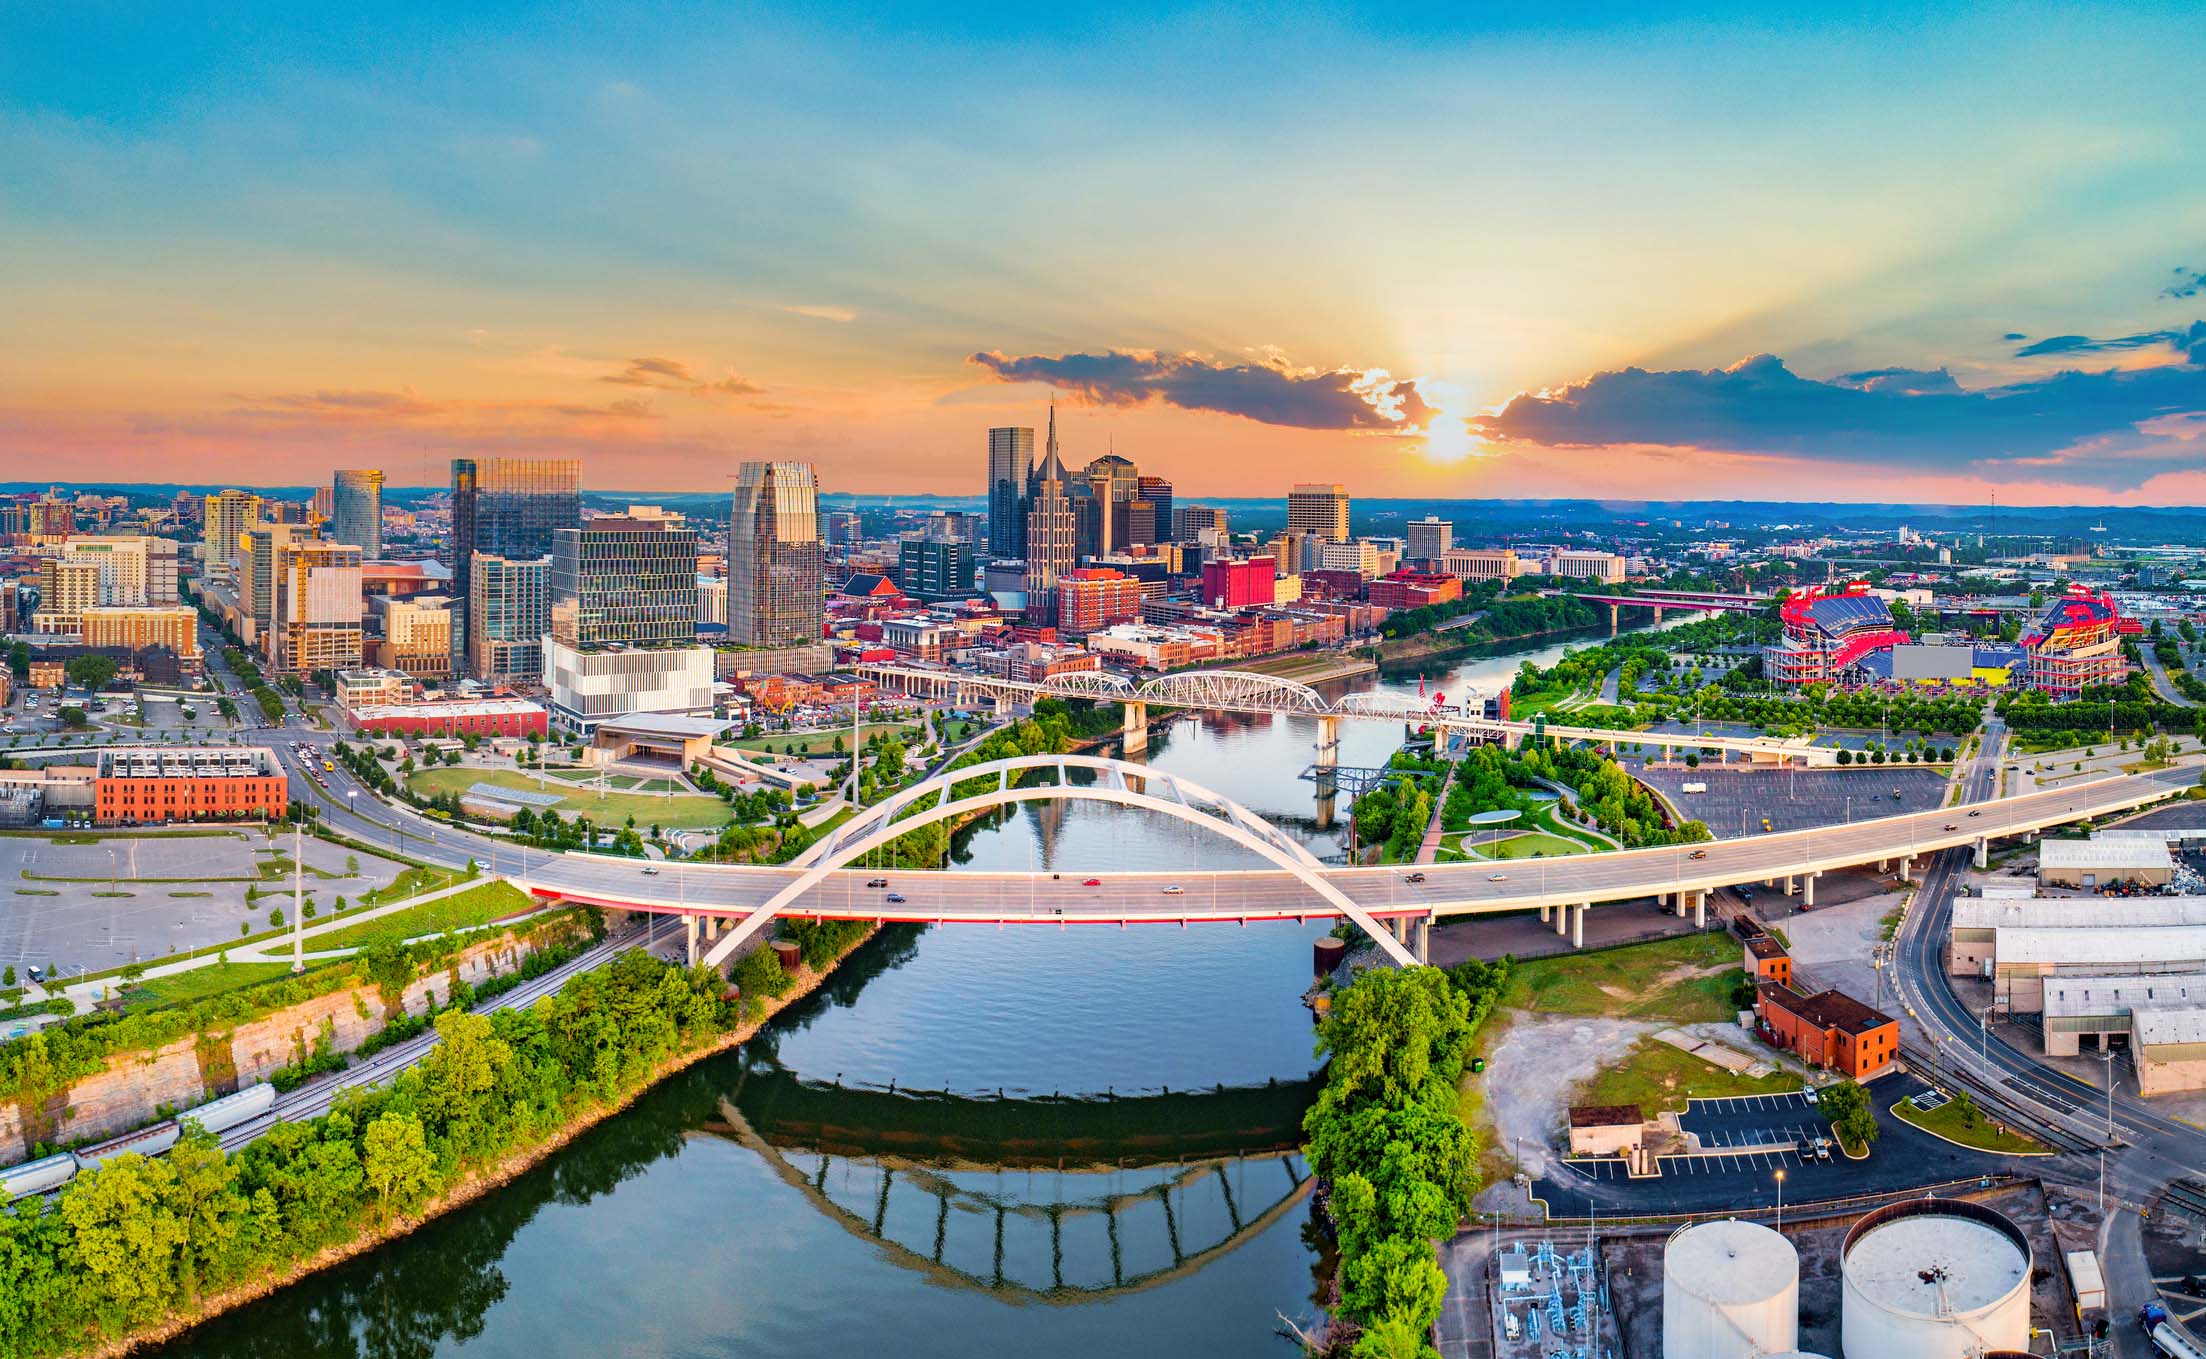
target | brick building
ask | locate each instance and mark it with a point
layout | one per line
(1767, 960)
(1093, 598)
(453, 717)
(1829, 1029)
(138, 785)
(1414, 589)
(1239, 584)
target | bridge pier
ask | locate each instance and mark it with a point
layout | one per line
(1424, 938)
(1543, 914)
(1613, 612)
(1700, 910)
(1134, 730)
(689, 929)
(1562, 920)
(1578, 925)
(1907, 870)
(1983, 852)
(1328, 740)
(1658, 615)
(1807, 889)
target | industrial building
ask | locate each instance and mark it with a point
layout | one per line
(2105, 859)
(138, 785)
(2026, 956)
(1934, 1279)
(1829, 1029)
(1976, 921)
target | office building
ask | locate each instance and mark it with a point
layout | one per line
(1481, 563)
(776, 562)
(508, 615)
(1052, 533)
(1090, 599)
(356, 511)
(417, 637)
(1362, 557)
(1010, 468)
(1606, 567)
(1158, 492)
(1113, 483)
(256, 585)
(508, 507)
(1297, 551)
(1429, 539)
(1189, 522)
(712, 601)
(621, 579)
(1239, 584)
(229, 514)
(317, 609)
(930, 569)
(1319, 508)
(606, 683)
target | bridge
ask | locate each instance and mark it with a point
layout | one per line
(1691, 601)
(1244, 691)
(728, 903)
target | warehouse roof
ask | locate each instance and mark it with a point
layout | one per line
(2115, 946)
(2068, 913)
(2127, 852)
(2162, 1028)
(2107, 995)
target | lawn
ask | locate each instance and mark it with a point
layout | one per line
(608, 810)
(1535, 845)
(1683, 980)
(199, 983)
(411, 883)
(822, 742)
(1947, 1121)
(476, 906)
(1656, 1076)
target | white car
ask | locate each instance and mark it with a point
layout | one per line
(1174, 890)
(1497, 877)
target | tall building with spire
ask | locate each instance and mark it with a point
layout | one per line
(1051, 546)
(1010, 468)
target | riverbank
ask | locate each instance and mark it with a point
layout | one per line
(1310, 667)
(1441, 646)
(480, 1182)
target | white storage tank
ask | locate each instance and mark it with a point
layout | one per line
(1730, 1290)
(1934, 1279)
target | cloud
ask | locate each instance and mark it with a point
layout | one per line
(2013, 335)
(1271, 392)
(2101, 426)
(2189, 341)
(672, 375)
(2189, 282)
(823, 312)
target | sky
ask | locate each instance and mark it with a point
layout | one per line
(1630, 251)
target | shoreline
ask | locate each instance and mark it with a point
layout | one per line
(475, 1186)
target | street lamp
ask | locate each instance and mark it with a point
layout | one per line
(1780, 1200)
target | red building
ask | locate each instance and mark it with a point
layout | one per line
(1829, 1029)
(464, 717)
(1828, 631)
(2077, 645)
(143, 785)
(1093, 598)
(1239, 584)
(1768, 960)
(1414, 590)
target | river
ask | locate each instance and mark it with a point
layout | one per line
(969, 1141)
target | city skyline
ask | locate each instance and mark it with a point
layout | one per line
(1651, 255)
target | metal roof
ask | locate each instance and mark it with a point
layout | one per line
(2161, 1028)
(2128, 852)
(2113, 946)
(2111, 995)
(2071, 913)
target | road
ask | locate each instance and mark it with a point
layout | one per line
(2160, 680)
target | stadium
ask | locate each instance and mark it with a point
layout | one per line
(2077, 645)
(1829, 631)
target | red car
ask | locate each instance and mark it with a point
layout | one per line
(1092, 882)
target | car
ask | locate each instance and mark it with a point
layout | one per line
(1174, 890)
(651, 870)
(1822, 1148)
(1497, 877)
(895, 898)
(1091, 882)
(877, 882)
(1953, 825)
(1414, 877)
(1698, 854)
(1975, 813)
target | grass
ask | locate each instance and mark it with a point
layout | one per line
(1656, 1077)
(199, 983)
(608, 810)
(1947, 1121)
(412, 883)
(1536, 845)
(1683, 980)
(822, 742)
(477, 905)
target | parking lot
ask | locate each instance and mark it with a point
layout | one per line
(1754, 1121)
(1737, 800)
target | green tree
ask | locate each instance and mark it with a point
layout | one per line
(396, 1161)
(91, 671)
(1847, 1107)
(126, 1237)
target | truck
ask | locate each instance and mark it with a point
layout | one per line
(2084, 1277)
(1692, 787)
(2166, 1334)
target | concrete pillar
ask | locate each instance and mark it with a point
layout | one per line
(1658, 615)
(1884, 865)
(1424, 939)
(1983, 851)
(1328, 741)
(689, 923)
(1700, 910)
(1543, 914)
(1612, 619)
(1578, 926)
(1134, 731)
(1562, 920)
(1907, 870)
(1677, 904)
(1792, 885)
(1807, 889)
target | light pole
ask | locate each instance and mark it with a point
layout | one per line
(1780, 1200)
(2106, 1055)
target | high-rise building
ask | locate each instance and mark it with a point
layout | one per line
(1188, 522)
(417, 637)
(1320, 508)
(317, 610)
(128, 571)
(1010, 469)
(1052, 532)
(229, 515)
(1430, 538)
(1158, 492)
(67, 588)
(508, 615)
(621, 579)
(356, 511)
(1114, 483)
(257, 572)
(1090, 599)
(776, 563)
(508, 507)
(931, 568)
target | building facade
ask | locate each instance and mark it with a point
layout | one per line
(317, 610)
(1010, 468)
(507, 507)
(417, 637)
(626, 581)
(356, 510)
(228, 515)
(1829, 1029)
(175, 627)
(929, 568)
(2077, 645)
(1319, 508)
(1429, 539)
(776, 562)
(1052, 541)
(1481, 563)
(1229, 584)
(508, 615)
(1090, 599)
(142, 785)
(593, 686)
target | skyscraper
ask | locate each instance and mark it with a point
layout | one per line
(257, 574)
(356, 511)
(776, 562)
(229, 515)
(619, 579)
(1010, 468)
(316, 610)
(1115, 482)
(1319, 508)
(508, 613)
(1158, 492)
(1430, 538)
(508, 507)
(1051, 532)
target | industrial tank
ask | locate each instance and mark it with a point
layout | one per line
(1934, 1279)
(1730, 1290)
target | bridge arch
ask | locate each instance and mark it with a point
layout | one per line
(1160, 792)
(1231, 689)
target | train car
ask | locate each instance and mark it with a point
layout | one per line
(145, 1142)
(41, 1176)
(224, 1113)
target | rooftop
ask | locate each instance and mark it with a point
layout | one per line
(2126, 852)
(1826, 1009)
(2115, 947)
(665, 724)
(2125, 994)
(470, 707)
(2068, 913)
(1605, 1116)
(2158, 1028)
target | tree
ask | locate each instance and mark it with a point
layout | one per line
(7, 975)
(74, 717)
(1847, 1107)
(91, 671)
(275, 918)
(396, 1161)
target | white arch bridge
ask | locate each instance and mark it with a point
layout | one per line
(1245, 691)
